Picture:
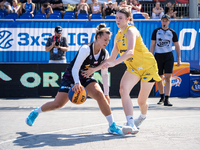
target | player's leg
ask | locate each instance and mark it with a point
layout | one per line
(60, 100)
(128, 81)
(95, 92)
(145, 89)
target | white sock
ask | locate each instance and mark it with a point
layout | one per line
(38, 110)
(110, 119)
(130, 119)
(143, 116)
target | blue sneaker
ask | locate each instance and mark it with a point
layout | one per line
(31, 118)
(115, 129)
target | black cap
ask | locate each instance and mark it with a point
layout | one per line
(165, 16)
(58, 29)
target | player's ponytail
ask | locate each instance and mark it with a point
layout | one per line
(101, 28)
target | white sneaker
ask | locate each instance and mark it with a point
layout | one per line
(139, 121)
(130, 128)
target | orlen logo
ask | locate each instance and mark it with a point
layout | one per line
(196, 86)
(4, 41)
(176, 81)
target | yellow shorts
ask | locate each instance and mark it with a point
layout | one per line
(146, 74)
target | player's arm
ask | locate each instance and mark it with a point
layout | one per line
(105, 79)
(131, 35)
(82, 55)
(90, 71)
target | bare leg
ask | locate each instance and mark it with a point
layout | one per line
(60, 100)
(128, 81)
(160, 86)
(145, 90)
(95, 92)
(168, 77)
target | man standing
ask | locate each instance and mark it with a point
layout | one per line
(161, 44)
(57, 46)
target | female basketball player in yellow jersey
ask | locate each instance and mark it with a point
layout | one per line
(141, 66)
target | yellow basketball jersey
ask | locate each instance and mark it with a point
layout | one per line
(142, 59)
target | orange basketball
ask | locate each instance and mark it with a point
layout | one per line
(77, 98)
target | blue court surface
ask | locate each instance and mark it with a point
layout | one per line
(83, 127)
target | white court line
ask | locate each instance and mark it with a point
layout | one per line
(159, 118)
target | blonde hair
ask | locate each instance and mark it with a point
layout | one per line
(101, 29)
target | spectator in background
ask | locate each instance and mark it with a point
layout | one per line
(123, 4)
(57, 46)
(137, 8)
(46, 8)
(109, 9)
(95, 8)
(29, 7)
(5, 5)
(82, 7)
(170, 9)
(21, 6)
(15, 8)
(58, 5)
(157, 11)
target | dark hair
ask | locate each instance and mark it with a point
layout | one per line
(101, 29)
(45, 5)
(127, 12)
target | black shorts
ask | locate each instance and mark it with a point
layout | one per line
(66, 84)
(165, 62)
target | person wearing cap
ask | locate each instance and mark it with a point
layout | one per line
(161, 44)
(109, 9)
(57, 46)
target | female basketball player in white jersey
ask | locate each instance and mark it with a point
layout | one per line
(141, 66)
(92, 54)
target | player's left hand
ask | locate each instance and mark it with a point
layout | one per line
(108, 64)
(88, 72)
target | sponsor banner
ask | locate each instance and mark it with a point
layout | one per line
(34, 39)
(25, 41)
(35, 80)
(195, 85)
(179, 81)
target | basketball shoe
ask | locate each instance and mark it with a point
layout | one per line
(115, 129)
(139, 121)
(130, 128)
(31, 118)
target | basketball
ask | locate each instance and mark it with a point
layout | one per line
(77, 98)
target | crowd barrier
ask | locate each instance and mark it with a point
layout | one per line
(37, 80)
(24, 40)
